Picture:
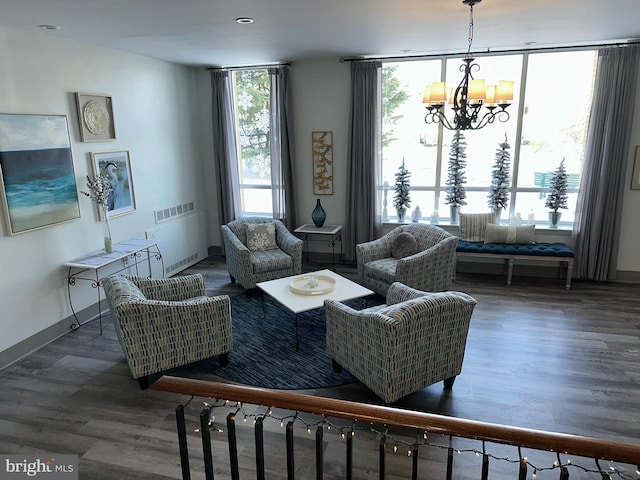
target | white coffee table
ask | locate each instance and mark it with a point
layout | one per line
(279, 290)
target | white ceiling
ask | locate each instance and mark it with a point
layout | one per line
(204, 32)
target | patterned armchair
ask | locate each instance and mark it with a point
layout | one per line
(413, 341)
(167, 323)
(264, 261)
(429, 266)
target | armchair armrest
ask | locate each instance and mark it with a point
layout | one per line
(399, 292)
(345, 323)
(431, 269)
(287, 241)
(172, 289)
(373, 250)
(167, 314)
(237, 254)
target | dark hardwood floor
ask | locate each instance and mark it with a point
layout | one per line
(537, 356)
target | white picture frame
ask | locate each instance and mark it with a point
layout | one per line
(116, 165)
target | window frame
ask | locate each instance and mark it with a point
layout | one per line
(517, 112)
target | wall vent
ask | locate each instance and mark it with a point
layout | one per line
(174, 211)
(180, 265)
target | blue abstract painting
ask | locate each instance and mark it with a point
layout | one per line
(38, 179)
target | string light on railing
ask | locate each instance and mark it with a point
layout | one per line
(421, 439)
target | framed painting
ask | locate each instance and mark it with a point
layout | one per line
(95, 117)
(635, 176)
(322, 149)
(116, 166)
(36, 168)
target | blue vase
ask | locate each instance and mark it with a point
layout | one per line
(318, 215)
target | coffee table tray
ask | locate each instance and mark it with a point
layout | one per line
(312, 285)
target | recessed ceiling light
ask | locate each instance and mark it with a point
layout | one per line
(406, 50)
(530, 43)
(49, 27)
(244, 20)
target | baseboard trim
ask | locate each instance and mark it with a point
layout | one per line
(626, 276)
(35, 342)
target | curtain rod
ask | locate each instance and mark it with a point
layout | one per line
(492, 52)
(250, 67)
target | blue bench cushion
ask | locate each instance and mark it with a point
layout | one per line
(537, 249)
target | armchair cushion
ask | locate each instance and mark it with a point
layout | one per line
(404, 245)
(261, 236)
(383, 270)
(270, 260)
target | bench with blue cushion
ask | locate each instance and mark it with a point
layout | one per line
(558, 252)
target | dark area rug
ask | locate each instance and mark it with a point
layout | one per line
(264, 348)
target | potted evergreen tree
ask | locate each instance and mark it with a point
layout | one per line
(401, 198)
(557, 195)
(498, 197)
(455, 191)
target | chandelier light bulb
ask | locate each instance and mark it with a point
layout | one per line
(468, 98)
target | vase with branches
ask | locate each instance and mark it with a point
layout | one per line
(456, 178)
(557, 195)
(99, 189)
(402, 198)
(498, 197)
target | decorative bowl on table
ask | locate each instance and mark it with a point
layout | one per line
(312, 284)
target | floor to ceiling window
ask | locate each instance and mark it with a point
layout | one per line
(251, 94)
(549, 116)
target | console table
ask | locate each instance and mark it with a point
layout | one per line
(334, 233)
(126, 255)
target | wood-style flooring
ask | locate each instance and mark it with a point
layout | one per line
(537, 356)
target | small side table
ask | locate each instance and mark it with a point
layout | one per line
(334, 233)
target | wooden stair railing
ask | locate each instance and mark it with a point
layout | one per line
(587, 447)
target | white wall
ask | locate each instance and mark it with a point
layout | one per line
(629, 253)
(321, 92)
(153, 106)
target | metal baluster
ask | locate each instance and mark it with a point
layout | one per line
(414, 474)
(350, 455)
(290, 463)
(206, 443)
(485, 463)
(450, 460)
(603, 474)
(564, 472)
(522, 475)
(182, 442)
(319, 452)
(383, 441)
(259, 430)
(233, 446)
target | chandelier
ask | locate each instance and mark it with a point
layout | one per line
(468, 98)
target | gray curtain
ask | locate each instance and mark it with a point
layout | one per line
(362, 222)
(282, 147)
(225, 155)
(596, 230)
